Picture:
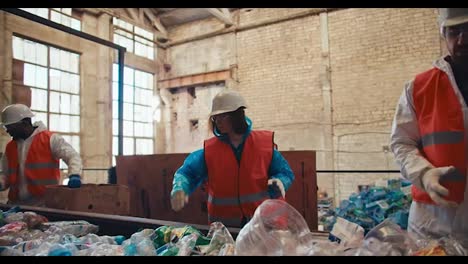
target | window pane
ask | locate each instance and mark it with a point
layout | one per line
(138, 96)
(128, 146)
(55, 16)
(54, 58)
(65, 123)
(74, 62)
(115, 127)
(128, 128)
(54, 76)
(115, 72)
(75, 24)
(41, 54)
(66, 21)
(115, 91)
(128, 76)
(115, 145)
(38, 99)
(43, 12)
(147, 114)
(40, 116)
(54, 124)
(64, 60)
(140, 113)
(74, 83)
(149, 80)
(75, 124)
(65, 103)
(150, 54)
(144, 146)
(29, 51)
(115, 109)
(149, 130)
(139, 127)
(128, 111)
(54, 102)
(67, 11)
(29, 74)
(140, 49)
(64, 82)
(128, 93)
(75, 105)
(41, 77)
(18, 48)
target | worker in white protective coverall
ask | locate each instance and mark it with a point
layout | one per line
(31, 159)
(430, 136)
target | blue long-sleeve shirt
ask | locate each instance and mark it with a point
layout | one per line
(193, 172)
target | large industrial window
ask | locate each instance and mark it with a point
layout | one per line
(137, 112)
(59, 15)
(135, 39)
(54, 79)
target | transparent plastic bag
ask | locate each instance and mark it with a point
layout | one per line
(388, 239)
(273, 231)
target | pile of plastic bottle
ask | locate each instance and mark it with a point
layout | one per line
(30, 234)
(372, 206)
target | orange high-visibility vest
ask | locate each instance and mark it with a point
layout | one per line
(440, 121)
(40, 168)
(236, 190)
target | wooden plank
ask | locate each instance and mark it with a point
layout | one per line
(196, 79)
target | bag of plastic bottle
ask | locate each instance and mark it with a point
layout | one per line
(273, 231)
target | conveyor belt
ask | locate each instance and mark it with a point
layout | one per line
(111, 224)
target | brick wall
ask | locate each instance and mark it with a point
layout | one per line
(372, 53)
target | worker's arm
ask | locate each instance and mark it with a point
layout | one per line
(63, 150)
(405, 139)
(279, 169)
(191, 174)
(3, 177)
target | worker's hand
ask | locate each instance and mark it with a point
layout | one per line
(275, 185)
(178, 200)
(431, 184)
(74, 181)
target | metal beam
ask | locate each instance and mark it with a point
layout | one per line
(226, 19)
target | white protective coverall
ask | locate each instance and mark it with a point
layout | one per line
(60, 150)
(426, 219)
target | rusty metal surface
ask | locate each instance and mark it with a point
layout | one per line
(149, 178)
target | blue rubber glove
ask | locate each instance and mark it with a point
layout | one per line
(74, 181)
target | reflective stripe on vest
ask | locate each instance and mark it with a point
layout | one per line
(42, 165)
(445, 137)
(441, 126)
(250, 198)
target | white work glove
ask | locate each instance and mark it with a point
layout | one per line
(178, 200)
(279, 184)
(431, 184)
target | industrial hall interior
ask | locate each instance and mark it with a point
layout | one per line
(233, 131)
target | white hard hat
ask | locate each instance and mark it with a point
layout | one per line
(227, 101)
(452, 16)
(15, 113)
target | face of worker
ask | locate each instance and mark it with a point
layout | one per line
(457, 43)
(223, 123)
(17, 130)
